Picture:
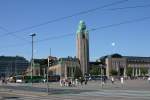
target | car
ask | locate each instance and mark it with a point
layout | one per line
(19, 81)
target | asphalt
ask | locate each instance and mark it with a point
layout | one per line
(131, 90)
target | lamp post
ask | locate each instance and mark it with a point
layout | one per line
(47, 77)
(32, 60)
(101, 76)
(101, 73)
(49, 64)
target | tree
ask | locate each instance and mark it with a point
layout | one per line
(77, 73)
(95, 71)
(113, 72)
(129, 71)
(144, 71)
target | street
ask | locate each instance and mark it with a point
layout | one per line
(98, 95)
(136, 90)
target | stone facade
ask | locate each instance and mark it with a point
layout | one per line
(122, 63)
(118, 64)
(35, 70)
(65, 67)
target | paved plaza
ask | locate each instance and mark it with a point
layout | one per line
(131, 90)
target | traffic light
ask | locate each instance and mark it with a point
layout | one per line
(50, 62)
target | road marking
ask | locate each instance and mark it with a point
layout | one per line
(22, 94)
(116, 93)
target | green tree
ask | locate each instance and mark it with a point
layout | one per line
(144, 71)
(113, 72)
(129, 71)
(77, 73)
(95, 71)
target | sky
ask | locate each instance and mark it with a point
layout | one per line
(128, 39)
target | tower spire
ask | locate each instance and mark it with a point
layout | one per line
(81, 27)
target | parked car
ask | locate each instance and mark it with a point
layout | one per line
(19, 81)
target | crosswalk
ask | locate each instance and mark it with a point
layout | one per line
(118, 93)
(73, 94)
(110, 94)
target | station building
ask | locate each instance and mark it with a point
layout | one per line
(123, 63)
(65, 67)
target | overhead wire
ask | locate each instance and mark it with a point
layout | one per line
(65, 17)
(83, 12)
(2, 28)
(92, 29)
(97, 28)
(124, 22)
(130, 7)
(80, 13)
(59, 19)
(18, 37)
(62, 18)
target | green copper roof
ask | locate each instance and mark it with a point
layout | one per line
(81, 27)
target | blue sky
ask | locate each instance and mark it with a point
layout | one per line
(130, 39)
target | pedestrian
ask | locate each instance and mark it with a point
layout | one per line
(81, 80)
(85, 81)
(103, 81)
(69, 83)
(122, 81)
(76, 82)
(149, 80)
(112, 80)
(73, 83)
(3, 81)
(61, 82)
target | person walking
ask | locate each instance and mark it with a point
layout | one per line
(122, 81)
(85, 82)
(149, 80)
(112, 80)
(76, 82)
(61, 82)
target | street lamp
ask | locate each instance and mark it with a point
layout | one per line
(101, 73)
(101, 76)
(32, 60)
(49, 64)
